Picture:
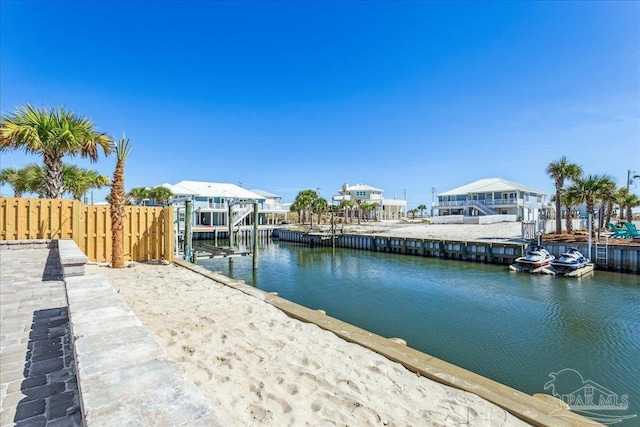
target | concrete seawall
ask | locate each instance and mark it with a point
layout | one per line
(620, 258)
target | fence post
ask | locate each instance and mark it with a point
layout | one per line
(168, 233)
(75, 222)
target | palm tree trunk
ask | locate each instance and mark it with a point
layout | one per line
(568, 219)
(53, 169)
(117, 217)
(558, 206)
(609, 213)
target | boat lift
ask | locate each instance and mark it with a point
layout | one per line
(214, 252)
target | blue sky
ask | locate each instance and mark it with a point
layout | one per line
(284, 96)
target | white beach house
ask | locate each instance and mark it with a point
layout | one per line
(385, 209)
(212, 201)
(492, 197)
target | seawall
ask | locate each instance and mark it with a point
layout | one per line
(619, 258)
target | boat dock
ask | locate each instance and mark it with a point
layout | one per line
(546, 269)
(203, 250)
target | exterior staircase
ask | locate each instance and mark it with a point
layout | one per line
(482, 207)
(240, 214)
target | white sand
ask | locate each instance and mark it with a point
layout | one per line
(256, 366)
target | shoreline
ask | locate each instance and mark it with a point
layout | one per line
(255, 364)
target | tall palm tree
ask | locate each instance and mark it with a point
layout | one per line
(320, 206)
(560, 171)
(117, 200)
(421, 208)
(589, 190)
(568, 202)
(621, 197)
(631, 201)
(52, 134)
(607, 200)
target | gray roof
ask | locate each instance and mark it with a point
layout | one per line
(489, 185)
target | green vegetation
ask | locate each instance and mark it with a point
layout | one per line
(52, 134)
(140, 195)
(593, 190)
(76, 181)
(560, 171)
(308, 202)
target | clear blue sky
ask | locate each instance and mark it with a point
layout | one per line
(285, 96)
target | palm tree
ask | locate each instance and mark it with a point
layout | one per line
(303, 203)
(52, 134)
(117, 199)
(621, 197)
(358, 206)
(568, 204)
(607, 200)
(559, 171)
(631, 201)
(138, 194)
(346, 206)
(28, 179)
(160, 194)
(78, 181)
(15, 178)
(35, 178)
(589, 190)
(421, 208)
(320, 206)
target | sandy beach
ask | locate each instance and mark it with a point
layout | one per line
(257, 366)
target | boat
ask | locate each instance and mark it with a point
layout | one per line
(535, 256)
(570, 261)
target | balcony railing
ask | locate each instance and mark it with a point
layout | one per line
(466, 203)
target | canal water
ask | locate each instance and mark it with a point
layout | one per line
(517, 329)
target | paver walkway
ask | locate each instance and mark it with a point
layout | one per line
(38, 384)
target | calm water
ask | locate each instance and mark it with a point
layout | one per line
(513, 328)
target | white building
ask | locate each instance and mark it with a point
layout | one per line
(385, 208)
(212, 201)
(492, 196)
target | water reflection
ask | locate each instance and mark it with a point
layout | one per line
(513, 328)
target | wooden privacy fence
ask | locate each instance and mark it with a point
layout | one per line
(148, 231)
